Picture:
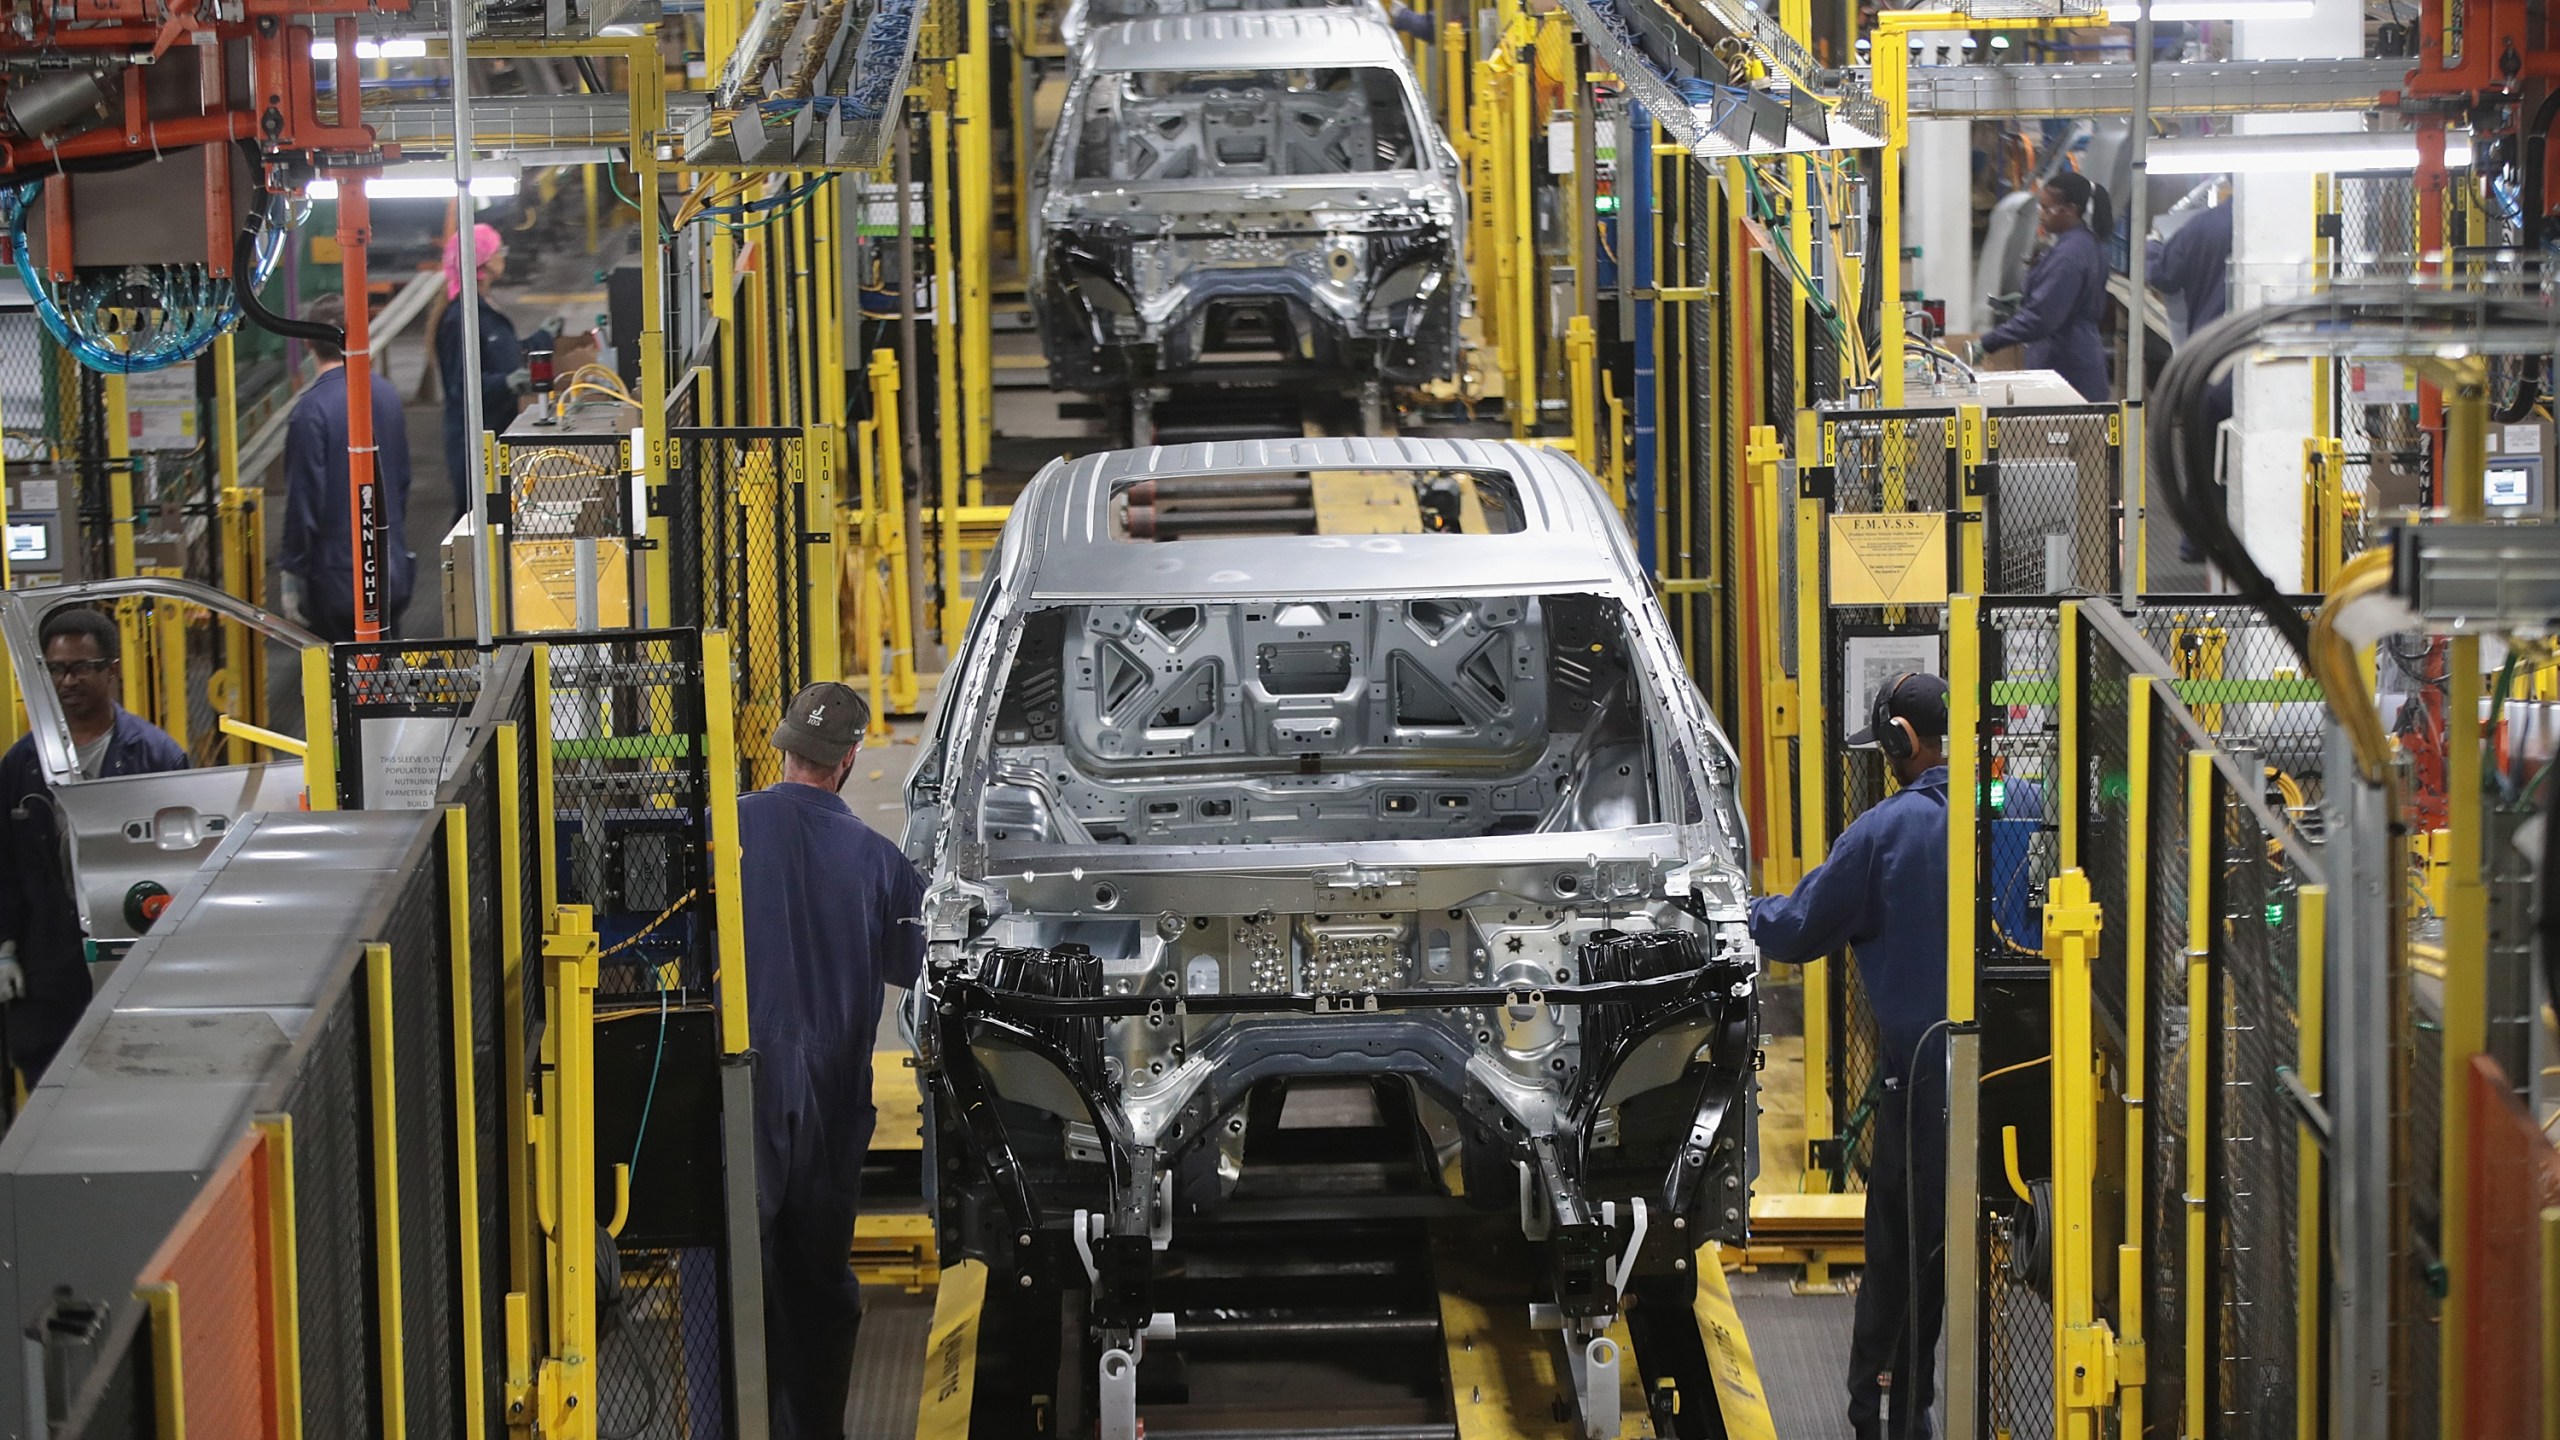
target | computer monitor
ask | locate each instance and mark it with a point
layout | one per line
(2513, 484)
(30, 543)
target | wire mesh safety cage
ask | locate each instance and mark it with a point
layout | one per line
(574, 557)
(2018, 848)
(2238, 1039)
(2101, 811)
(380, 692)
(662, 1367)
(2054, 500)
(738, 537)
(2242, 682)
(631, 777)
(1882, 462)
(2017, 1370)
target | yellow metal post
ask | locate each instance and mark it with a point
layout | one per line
(973, 124)
(2131, 1369)
(721, 745)
(2067, 709)
(168, 1367)
(240, 689)
(953, 610)
(169, 659)
(2466, 910)
(1964, 802)
(1779, 717)
(521, 1257)
(466, 1117)
(379, 1032)
(2084, 1349)
(566, 1383)
(647, 80)
(123, 521)
(1581, 349)
(1812, 777)
(283, 1278)
(2203, 1024)
(891, 526)
(319, 734)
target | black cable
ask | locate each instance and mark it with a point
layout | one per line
(244, 283)
(1908, 1331)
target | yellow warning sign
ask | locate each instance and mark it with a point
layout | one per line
(1889, 559)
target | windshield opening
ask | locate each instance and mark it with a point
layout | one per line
(1244, 124)
(1383, 501)
(1322, 721)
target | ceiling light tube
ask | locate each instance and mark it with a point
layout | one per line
(420, 187)
(372, 49)
(2217, 10)
(2300, 154)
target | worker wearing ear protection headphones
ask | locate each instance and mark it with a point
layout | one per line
(1882, 893)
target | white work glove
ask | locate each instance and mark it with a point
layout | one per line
(289, 603)
(13, 979)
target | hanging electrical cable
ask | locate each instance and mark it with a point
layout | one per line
(193, 306)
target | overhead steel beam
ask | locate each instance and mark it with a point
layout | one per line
(2213, 87)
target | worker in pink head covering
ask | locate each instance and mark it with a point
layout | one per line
(503, 379)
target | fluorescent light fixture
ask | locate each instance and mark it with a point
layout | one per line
(372, 49)
(2303, 154)
(2167, 10)
(414, 186)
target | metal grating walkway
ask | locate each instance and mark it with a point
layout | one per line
(888, 1365)
(1802, 1345)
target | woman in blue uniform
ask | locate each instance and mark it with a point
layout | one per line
(2066, 292)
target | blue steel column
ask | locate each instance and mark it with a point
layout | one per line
(1637, 227)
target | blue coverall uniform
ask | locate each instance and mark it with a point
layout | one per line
(2195, 263)
(317, 549)
(501, 355)
(832, 912)
(1882, 892)
(2057, 321)
(37, 908)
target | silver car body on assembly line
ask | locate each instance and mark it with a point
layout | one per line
(1251, 196)
(1327, 759)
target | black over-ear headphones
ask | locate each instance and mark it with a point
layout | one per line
(1892, 739)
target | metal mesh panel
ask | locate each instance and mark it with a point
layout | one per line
(394, 681)
(571, 565)
(2254, 1210)
(2022, 753)
(333, 1224)
(2236, 675)
(2165, 1080)
(2052, 509)
(2018, 1337)
(739, 539)
(660, 1373)
(632, 780)
(475, 788)
(1883, 463)
(422, 1088)
(2103, 810)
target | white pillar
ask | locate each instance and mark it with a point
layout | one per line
(1937, 205)
(2271, 244)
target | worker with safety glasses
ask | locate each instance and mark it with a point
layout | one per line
(44, 960)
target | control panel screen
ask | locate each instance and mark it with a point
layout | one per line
(30, 543)
(2508, 486)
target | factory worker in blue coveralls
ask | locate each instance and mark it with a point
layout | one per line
(44, 957)
(832, 918)
(2066, 295)
(1882, 892)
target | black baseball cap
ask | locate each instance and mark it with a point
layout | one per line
(823, 723)
(1916, 696)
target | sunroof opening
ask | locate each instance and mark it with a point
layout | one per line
(1378, 501)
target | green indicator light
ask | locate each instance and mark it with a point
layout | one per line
(1605, 204)
(2275, 913)
(1999, 794)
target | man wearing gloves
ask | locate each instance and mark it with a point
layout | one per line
(44, 962)
(1882, 892)
(319, 553)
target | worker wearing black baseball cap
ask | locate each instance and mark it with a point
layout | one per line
(831, 908)
(1882, 893)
